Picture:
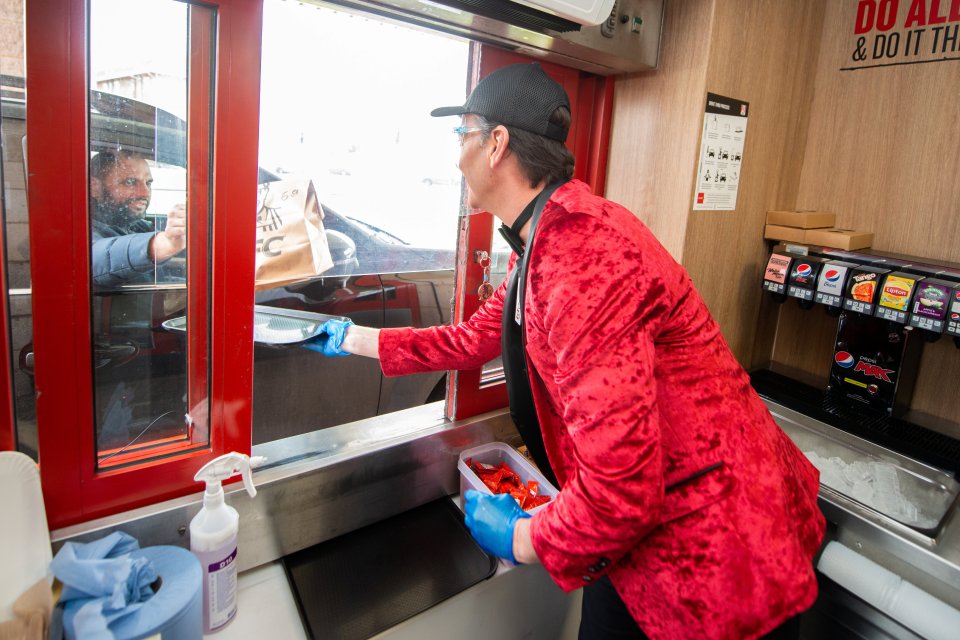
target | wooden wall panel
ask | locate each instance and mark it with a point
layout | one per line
(655, 130)
(762, 52)
(883, 150)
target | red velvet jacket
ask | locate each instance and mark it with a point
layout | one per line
(675, 479)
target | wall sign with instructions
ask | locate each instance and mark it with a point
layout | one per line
(721, 154)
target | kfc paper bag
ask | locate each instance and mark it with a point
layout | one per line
(291, 243)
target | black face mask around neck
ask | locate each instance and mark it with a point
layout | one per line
(512, 233)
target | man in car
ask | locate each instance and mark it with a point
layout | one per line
(126, 247)
(684, 511)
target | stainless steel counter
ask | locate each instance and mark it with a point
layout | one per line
(323, 484)
(929, 561)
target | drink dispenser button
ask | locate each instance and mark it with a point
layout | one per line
(928, 310)
(803, 278)
(953, 315)
(862, 287)
(832, 282)
(895, 295)
(777, 272)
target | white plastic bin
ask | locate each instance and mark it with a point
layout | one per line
(494, 453)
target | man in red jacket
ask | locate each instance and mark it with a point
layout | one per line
(684, 510)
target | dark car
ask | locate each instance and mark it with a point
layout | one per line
(387, 284)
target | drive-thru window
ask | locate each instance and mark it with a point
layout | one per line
(132, 274)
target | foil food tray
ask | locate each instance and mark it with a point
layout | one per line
(273, 326)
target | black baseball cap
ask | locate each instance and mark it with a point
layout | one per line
(521, 96)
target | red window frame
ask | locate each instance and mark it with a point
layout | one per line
(57, 107)
(591, 105)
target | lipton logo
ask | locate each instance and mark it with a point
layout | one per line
(897, 291)
(874, 371)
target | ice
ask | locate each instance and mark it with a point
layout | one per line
(875, 484)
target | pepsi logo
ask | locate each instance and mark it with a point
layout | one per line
(844, 359)
(873, 389)
(832, 276)
(804, 270)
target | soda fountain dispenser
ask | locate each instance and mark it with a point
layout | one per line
(832, 283)
(928, 311)
(953, 317)
(803, 279)
(895, 295)
(776, 274)
(860, 295)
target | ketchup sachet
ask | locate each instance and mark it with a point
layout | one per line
(502, 479)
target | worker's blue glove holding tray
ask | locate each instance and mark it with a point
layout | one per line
(491, 520)
(330, 341)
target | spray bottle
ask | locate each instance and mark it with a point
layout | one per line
(213, 537)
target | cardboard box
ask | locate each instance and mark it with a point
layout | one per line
(785, 234)
(802, 219)
(839, 238)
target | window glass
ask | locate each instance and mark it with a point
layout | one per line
(500, 252)
(139, 220)
(345, 111)
(13, 126)
(345, 101)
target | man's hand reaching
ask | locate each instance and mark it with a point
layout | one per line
(173, 239)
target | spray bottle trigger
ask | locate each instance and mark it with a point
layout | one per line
(246, 464)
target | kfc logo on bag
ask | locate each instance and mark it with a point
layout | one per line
(265, 246)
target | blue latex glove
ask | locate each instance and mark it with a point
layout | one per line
(329, 342)
(491, 520)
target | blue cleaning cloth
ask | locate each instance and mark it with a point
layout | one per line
(101, 583)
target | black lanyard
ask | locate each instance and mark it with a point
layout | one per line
(513, 342)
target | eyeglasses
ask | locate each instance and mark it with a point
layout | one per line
(462, 131)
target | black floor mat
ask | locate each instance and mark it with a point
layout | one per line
(364, 582)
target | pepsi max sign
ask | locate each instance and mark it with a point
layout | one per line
(803, 278)
(874, 371)
(802, 274)
(844, 359)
